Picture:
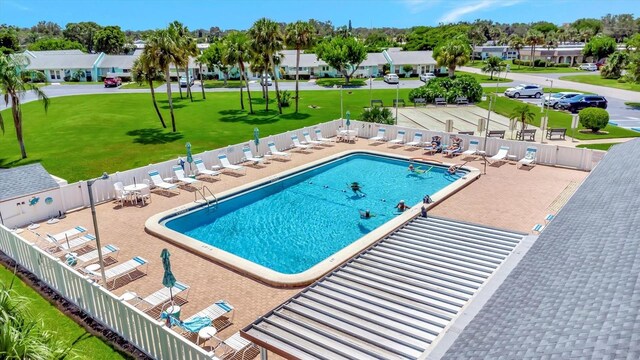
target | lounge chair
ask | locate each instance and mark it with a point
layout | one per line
(297, 144)
(456, 150)
(320, 137)
(179, 172)
(248, 156)
(92, 256)
(417, 140)
(126, 268)
(215, 312)
(202, 170)
(68, 234)
(67, 245)
(382, 135)
(529, 158)
(157, 181)
(236, 345)
(399, 138)
(274, 151)
(224, 160)
(473, 148)
(501, 155)
(309, 140)
(162, 296)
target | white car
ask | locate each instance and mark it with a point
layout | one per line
(183, 81)
(426, 77)
(391, 79)
(524, 90)
(265, 80)
(555, 98)
(588, 67)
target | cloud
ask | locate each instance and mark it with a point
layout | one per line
(418, 6)
(457, 13)
(16, 5)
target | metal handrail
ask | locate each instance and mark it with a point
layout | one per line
(202, 194)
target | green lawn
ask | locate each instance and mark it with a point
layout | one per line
(634, 105)
(329, 82)
(604, 146)
(597, 80)
(558, 119)
(528, 69)
(214, 84)
(485, 78)
(82, 136)
(87, 346)
(144, 85)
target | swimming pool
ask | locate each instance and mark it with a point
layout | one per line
(291, 223)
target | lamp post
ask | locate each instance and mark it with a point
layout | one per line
(397, 98)
(486, 132)
(95, 225)
(546, 115)
(341, 116)
(370, 84)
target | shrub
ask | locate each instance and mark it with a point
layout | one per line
(562, 65)
(377, 115)
(285, 96)
(450, 89)
(338, 81)
(594, 118)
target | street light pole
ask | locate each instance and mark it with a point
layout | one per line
(341, 113)
(95, 225)
(397, 99)
(546, 115)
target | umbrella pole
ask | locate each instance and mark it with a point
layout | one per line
(171, 296)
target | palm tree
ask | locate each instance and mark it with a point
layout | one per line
(260, 65)
(267, 40)
(533, 38)
(456, 52)
(299, 35)
(238, 48)
(13, 88)
(146, 69)
(524, 114)
(162, 48)
(186, 47)
(491, 65)
(200, 61)
(517, 43)
(550, 42)
(586, 34)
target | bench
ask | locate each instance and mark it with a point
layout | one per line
(529, 134)
(465, 132)
(561, 132)
(398, 102)
(419, 101)
(376, 103)
(496, 134)
(462, 100)
(440, 101)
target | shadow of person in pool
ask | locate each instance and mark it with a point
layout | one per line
(363, 229)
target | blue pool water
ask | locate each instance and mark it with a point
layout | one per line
(292, 224)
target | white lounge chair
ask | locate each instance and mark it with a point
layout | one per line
(202, 170)
(216, 311)
(162, 296)
(248, 156)
(417, 140)
(68, 234)
(529, 158)
(179, 173)
(126, 268)
(157, 181)
(501, 155)
(224, 160)
(236, 345)
(67, 245)
(274, 151)
(92, 256)
(320, 137)
(382, 135)
(297, 144)
(309, 140)
(399, 138)
(473, 148)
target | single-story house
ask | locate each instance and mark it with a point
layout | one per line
(503, 52)
(116, 65)
(63, 65)
(420, 61)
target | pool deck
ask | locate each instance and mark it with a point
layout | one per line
(505, 197)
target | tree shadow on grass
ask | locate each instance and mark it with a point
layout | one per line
(258, 117)
(8, 163)
(295, 116)
(152, 136)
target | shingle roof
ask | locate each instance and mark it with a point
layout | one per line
(62, 61)
(56, 52)
(374, 59)
(118, 61)
(24, 180)
(411, 57)
(306, 60)
(576, 293)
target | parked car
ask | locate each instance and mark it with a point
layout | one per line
(112, 81)
(555, 98)
(601, 63)
(183, 81)
(426, 77)
(580, 102)
(588, 67)
(265, 80)
(391, 79)
(524, 90)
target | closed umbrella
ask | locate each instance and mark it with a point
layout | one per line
(256, 139)
(189, 155)
(168, 280)
(348, 119)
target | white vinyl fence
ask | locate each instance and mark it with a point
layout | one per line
(147, 334)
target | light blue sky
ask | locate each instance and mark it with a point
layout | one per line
(240, 14)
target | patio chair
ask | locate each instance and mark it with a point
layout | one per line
(399, 138)
(118, 271)
(382, 136)
(91, 256)
(309, 140)
(224, 160)
(297, 144)
(178, 171)
(417, 140)
(473, 148)
(455, 149)
(162, 296)
(274, 151)
(202, 170)
(157, 181)
(529, 158)
(248, 156)
(435, 145)
(66, 245)
(236, 346)
(121, 194)
(501, 155)
(321, 138)
(216, 311)
(144, 194)
(68, 234)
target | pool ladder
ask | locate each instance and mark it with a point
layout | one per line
(210, 202)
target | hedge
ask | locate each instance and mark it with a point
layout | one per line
(449, 88)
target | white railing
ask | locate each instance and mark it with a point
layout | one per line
(149, 335)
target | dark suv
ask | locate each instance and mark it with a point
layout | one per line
(580, 102)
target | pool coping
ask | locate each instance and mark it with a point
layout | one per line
(271, 277)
